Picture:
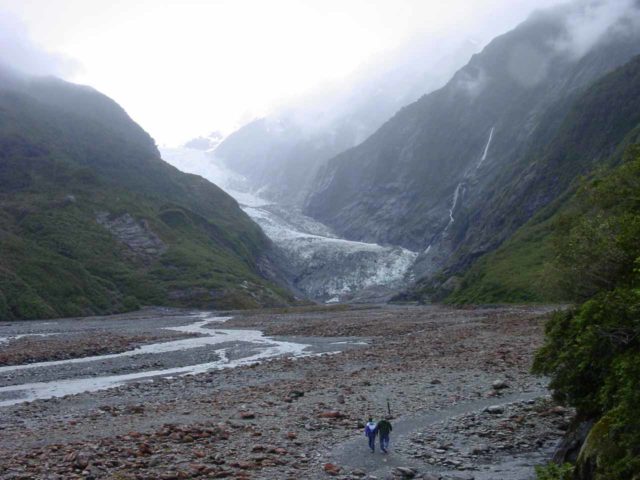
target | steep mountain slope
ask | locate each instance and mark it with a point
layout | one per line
(455, 172)
(93, 221)
(600, 125)
(280, 154)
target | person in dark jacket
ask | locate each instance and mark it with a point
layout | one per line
(370, 430)
(384, 430)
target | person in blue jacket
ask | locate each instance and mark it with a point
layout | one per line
(370, 430)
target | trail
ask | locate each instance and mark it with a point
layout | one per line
(355, 454)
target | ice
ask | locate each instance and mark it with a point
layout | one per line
(326, 267)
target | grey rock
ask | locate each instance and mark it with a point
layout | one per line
(499, 385)
(494, 409)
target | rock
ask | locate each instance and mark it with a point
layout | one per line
(247, 415)
(331, 469)
(295, 394)
(458, 476)
(404, 472)
(569, 447)
(144, 449)
(494, 409)
(435, 381)
(333, 414)
(499, 385)
(82, 461)
(340, 399)
(479, 449)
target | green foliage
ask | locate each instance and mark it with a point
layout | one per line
(517, 272)
(598, 245)
(555, 472)
(592, 353)
(67, 154)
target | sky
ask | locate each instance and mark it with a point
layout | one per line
(183, 68)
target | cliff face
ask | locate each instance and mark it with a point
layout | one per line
(455, 173)
(92, 220)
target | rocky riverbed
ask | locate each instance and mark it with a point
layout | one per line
(278, 395)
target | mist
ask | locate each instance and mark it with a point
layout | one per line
(216, 67)
(19, 53)
(589, 22)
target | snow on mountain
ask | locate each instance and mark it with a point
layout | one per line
(324, 266)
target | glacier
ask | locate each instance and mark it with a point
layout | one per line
(324, 267)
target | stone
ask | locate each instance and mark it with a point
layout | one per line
(404, 472)
(333, 414)
(479, 449)
(499, 385)
(331, 469)
(494, 409)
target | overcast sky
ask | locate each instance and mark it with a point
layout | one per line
(182, 68)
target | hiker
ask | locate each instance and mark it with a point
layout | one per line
(370, 430)
(384, 429)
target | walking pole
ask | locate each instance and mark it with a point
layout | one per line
(388, 407)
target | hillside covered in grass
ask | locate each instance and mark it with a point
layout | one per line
(93, 221)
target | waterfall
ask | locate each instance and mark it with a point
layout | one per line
(456, 195)
(465, 177)
(486, 148)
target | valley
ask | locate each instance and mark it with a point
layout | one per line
(283, 403)
(435, 223)
(320, 264)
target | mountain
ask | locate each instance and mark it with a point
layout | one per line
(280, 154)
(93, 221)
(601, 124)
(319, 264)
(454, 174)
(208, 143)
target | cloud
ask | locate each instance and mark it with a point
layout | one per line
(593, 21)
(18, 52)
(471, 81)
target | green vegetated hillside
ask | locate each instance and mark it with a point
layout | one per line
(593, 136)
(592, 352)
(93, 221)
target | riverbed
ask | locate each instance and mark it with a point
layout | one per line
(277, 395)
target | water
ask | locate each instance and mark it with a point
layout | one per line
(465, 177)
(251, 340)
(486, 148)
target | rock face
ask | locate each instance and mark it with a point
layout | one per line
(456, 171)
(138, 236)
